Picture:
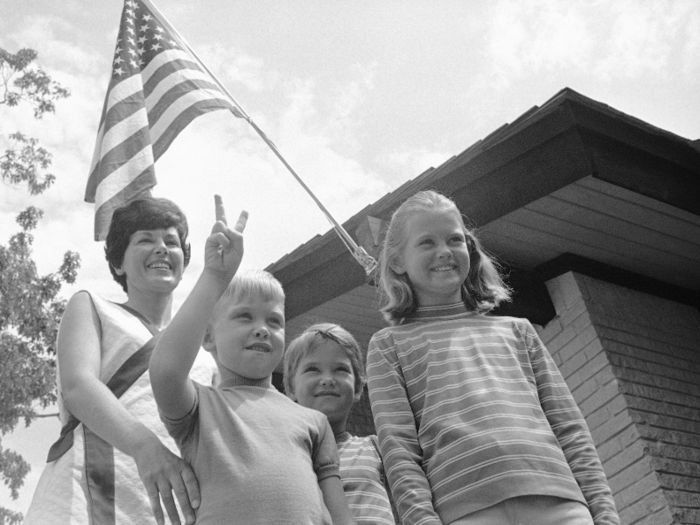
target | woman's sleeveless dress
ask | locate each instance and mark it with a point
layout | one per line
(91, 482)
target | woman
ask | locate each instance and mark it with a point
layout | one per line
(114, 461)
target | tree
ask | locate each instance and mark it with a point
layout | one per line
(30, 309)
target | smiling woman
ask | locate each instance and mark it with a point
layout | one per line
(114, 460)
(153, 261)
(141, 225)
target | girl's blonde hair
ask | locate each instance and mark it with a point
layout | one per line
(312, 338)
(482, 290)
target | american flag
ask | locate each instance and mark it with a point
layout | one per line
(157, 88)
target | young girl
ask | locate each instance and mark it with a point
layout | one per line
(324, 370)
(476, 424)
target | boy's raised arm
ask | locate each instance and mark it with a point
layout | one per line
(177, 348)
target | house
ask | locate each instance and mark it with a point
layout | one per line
(596, 217)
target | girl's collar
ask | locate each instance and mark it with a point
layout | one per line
(441, 312)
(244, 381)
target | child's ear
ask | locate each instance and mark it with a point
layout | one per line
(208, 342)
(398, 266)
(118, 271)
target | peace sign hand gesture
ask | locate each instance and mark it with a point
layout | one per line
(223, 250)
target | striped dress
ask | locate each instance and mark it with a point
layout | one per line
(93, 483)
(364, 483)
(471, 410)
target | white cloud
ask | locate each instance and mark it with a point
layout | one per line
(636, 40)
(609, 40)
(525, 38)
(416, 162)
(236, 70)
(687, 34)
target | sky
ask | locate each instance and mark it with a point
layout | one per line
(359, 97)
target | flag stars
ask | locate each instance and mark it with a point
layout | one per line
(141, 37)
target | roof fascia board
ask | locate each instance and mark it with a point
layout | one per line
(640, 158)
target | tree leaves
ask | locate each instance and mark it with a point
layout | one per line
(30, 85)
(30, 308)
(24, 162)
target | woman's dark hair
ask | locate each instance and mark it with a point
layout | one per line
(146, 213)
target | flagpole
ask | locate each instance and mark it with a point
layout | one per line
(346, 237)
(367, 261)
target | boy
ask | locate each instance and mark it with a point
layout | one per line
(323, 370)
(259, 458)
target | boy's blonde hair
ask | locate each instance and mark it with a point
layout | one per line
(312, 338)
(246, 284)
(482, 290)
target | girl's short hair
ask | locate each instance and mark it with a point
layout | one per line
(312, 338)
(482, 290)
(247, 284)
(146, 213)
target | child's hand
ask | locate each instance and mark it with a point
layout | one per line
(223, 251)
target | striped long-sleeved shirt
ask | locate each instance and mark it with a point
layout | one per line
(471, 410)
(362, 475)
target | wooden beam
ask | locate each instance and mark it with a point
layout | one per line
(570, 262)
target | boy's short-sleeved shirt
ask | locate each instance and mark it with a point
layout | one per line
(258, 456)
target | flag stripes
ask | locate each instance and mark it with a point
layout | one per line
(157, 89)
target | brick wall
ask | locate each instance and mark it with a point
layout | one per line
(632, 362)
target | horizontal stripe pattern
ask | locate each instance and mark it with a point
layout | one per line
(362, 475)
(471, 410)
(157, 89)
